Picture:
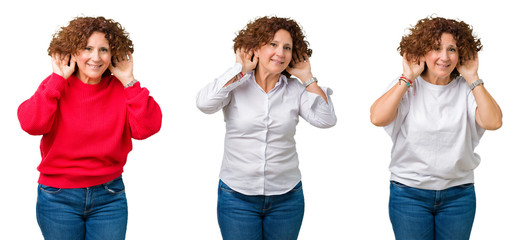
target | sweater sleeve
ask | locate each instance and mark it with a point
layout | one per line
(144, 114)
(37, 114)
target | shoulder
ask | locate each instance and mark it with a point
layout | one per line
(294, 84)
(461, 85)
(112, 81)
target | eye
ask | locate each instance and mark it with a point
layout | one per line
(104, 49)
(88, 48)
(452, 50)
(273, 44)
(288, 48)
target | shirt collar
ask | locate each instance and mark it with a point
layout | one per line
(282, 79)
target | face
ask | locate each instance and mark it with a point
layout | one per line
(94, 59)
(275, 56)
(442, 59)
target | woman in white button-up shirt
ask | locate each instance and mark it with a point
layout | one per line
(260, 194)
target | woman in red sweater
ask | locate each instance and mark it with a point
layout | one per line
(87, 110)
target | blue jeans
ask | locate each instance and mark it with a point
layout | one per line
(432, 215)
(97, 212)
(244, 217)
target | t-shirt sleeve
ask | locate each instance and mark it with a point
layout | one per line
(403, 109)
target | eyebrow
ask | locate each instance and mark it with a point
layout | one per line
(90, 46)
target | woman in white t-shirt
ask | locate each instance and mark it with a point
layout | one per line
(435, 113)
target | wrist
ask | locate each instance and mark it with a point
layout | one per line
(305, 77)
(244, 69)
(130, 84)
(475, 84)
(126, 80)
(310, 81)
(471, 79)
(409, 77)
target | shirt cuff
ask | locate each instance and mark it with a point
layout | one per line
(228, 75)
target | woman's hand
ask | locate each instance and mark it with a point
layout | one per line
(244, 58)
(302, 70)
(123, 69)
(469, 69)
(300, 67)
(413, 69)
(61, 66)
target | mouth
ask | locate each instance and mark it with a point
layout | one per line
(443, 65)
(277, 62)
(94, 66)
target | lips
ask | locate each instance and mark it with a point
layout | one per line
(94, 66)
(446, 66)
(278, 62)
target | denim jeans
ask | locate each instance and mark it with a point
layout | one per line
(97, 212)
(432, 215)
(260, 217)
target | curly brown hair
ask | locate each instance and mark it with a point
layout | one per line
(74, 37)
(426, 34)
(262, 30)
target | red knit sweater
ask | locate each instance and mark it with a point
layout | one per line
(87, 129)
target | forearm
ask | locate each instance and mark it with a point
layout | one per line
(385, 109)
(234, 79)
(488, 112)
(314, 88)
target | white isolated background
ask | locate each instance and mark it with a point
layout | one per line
(171, 178)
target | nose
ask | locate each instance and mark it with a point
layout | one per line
(444, 55)
(95, 56)
(280, 51)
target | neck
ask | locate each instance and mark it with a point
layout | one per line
(87, 80)
(436, 80)
(266, 80)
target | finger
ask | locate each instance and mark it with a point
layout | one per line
(55, 61)
(54, 58)
(247, 55)
(422, 61)
(295, 57)
(254, 58)
(73, 61)
(111, 66)
(240, 55)
(61, 61)
(130, 57)
(66, 60)
(300, 57)
(242, 52)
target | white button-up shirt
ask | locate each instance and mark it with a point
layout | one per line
(260, 155)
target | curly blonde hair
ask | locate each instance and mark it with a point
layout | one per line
(262, 30)
(74, 37)
(427, 33)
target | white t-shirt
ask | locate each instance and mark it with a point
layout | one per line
(434, 136)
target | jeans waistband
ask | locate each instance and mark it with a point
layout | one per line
(107, 183)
